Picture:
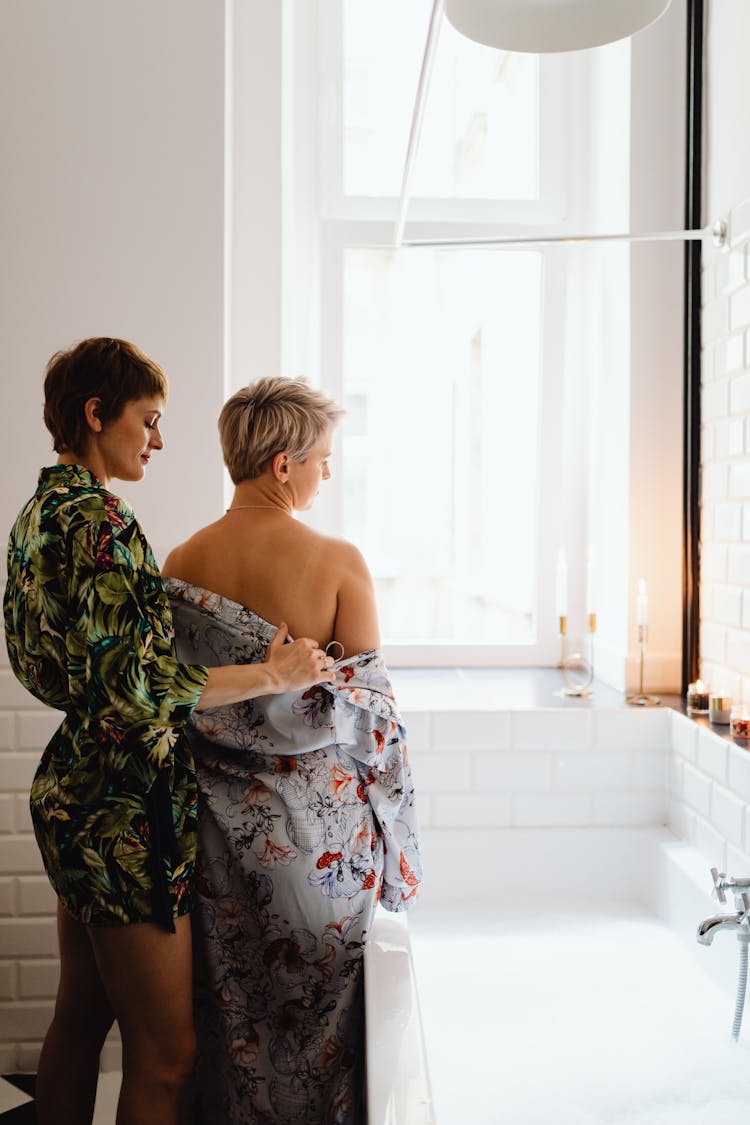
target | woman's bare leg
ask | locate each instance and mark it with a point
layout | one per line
(69, 1062)
(147, 974)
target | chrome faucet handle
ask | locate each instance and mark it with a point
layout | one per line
(718, 878)
(745, 897)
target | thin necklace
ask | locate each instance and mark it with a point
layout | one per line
(270, 507)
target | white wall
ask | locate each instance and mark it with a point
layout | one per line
(111, 223)
(727, 96)
(635, 352)
(657, 195)
(255, 245)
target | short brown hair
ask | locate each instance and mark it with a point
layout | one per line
(112, 370)
(275, 415)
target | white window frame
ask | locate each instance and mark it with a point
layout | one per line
(347, 221)
(549, 210)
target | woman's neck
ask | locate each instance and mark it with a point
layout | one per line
(261, 495)
(86, 462)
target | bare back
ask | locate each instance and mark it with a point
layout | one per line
(284, 571)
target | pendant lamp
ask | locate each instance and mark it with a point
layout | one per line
(540, 26)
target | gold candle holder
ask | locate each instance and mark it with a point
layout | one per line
(577, 669)
(641, 699)
(563, 630)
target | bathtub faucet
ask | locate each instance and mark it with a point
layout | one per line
(724, 883)
(739, 922)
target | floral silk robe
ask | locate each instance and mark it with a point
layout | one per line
(306, 821)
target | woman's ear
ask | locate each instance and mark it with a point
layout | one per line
(280, 467)
(92, 410)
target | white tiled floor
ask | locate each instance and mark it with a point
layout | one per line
(11, 1097)
(108, 1091)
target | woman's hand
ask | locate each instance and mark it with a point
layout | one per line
(299, 664)
(286, 667)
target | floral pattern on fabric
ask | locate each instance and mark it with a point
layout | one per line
(89, 631)
(306, 821)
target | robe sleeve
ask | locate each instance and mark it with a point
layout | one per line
(387, 780)
(123, 674)
(358, 715)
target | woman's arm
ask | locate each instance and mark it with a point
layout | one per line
(286, 667)
(121, 663)
(356, 624)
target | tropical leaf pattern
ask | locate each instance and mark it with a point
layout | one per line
(89, 631)
(306, 820)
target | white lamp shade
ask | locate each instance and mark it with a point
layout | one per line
(539, 26)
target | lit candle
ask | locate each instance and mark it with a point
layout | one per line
(740, 722)
(698, 696)
(642, 606)
(561, 586)
(720, 708)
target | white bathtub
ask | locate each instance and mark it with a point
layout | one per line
(553, 975)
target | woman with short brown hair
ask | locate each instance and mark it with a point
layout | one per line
(89, 632)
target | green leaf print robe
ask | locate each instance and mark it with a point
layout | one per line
(89, 631)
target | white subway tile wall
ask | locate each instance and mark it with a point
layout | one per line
(474, 769)
(696, 790)
(709, 794)
(737, 860)
(540, 768)
(712, 759)
(725, 466)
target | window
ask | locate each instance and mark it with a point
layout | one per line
(441, 363)
(451, 362)
(482, 105)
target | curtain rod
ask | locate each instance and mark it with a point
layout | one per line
(717, 232)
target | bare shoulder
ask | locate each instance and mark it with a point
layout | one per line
(171, 566)
(180, 558)
(340, 556)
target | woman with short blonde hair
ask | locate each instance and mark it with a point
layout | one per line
(306, 803)
(271, 415)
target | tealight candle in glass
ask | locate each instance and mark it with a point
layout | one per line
(697, 698)
(740, 722)
(720, 709)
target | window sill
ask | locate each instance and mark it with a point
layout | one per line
(503, 689)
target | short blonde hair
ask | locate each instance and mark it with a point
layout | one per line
(271, 416)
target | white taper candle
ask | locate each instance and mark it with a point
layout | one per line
(561, 585)
(591, 577)
(642, 604)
